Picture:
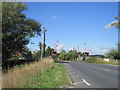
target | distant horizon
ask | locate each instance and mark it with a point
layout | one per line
(75, 23)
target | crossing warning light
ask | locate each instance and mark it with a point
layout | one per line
(86, 53)
(54, 53)
(78, 53)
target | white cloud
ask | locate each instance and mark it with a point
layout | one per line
(110, 25)
(54, 17)
(92, 51)
(104, 49)
(100, 50)
(70, 49)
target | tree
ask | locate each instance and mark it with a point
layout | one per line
(48, 51)
(36, 55)
(114, 23)
(113, 53)
(117, 25)
(71, 55)
(62, 55)
(17, 28)
(41, 48)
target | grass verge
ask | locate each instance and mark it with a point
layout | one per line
(101, 61)
(19, 76)
(51, 78)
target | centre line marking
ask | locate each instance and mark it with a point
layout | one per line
(86, 82)
(106, 69)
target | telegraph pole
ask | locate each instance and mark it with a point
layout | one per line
(44, 30)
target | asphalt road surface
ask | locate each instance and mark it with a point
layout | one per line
(88, 75)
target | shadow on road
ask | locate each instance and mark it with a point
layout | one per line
(61, 62)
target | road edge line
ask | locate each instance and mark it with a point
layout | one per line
(69, 77)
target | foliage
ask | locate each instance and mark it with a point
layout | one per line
(15, 58)
(101, 61)
(62, 55)
(41, 47)
(17, 28)
(73, 54)
(99, 56)
(37, 55)
(113, 53)
(91, 60)
(115, 23)
(48, 51)
(68, 56)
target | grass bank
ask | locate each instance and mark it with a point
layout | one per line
(23, 75)
(51, 78)
(101, 61)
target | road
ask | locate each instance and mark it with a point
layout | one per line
(88, 75)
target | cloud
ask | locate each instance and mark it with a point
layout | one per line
(60, 47)
(111, 24)
(104, 49)
(70, 49)
(54, 17)
(100, 50)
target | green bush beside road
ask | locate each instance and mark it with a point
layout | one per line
(101, 61)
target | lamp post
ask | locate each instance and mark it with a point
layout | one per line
(44, 30)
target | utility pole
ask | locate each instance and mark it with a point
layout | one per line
(41, 49)
(44, 30)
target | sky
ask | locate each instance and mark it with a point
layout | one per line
(75, 23)
(64, 0)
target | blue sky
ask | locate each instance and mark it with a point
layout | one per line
(76, 23)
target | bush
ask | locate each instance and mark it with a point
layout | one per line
(113, 53)
(91, 60)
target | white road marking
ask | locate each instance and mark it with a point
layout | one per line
(86, 82)
(74, 83)
(106, 70)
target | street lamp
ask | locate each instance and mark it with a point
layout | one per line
(44, 30)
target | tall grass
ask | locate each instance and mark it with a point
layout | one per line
(51, 78)
(19, 76)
